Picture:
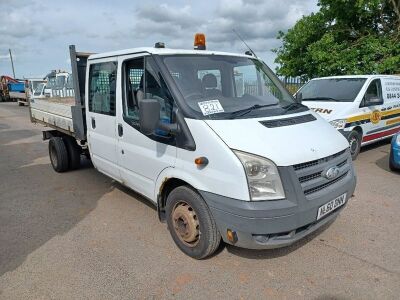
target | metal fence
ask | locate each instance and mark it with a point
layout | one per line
(292, 83)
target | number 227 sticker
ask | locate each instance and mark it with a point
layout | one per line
(210, 107)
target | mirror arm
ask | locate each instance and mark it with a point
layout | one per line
(170, 128)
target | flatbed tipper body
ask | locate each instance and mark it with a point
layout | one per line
(65, 114)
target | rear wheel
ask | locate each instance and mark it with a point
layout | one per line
(58, 154)
(74, 153)
(354, 139)
(191, 224)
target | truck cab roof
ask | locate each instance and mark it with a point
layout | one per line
(162, 51)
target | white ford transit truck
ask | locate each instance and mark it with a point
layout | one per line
(213, 139)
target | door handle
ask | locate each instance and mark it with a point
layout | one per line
(120, 130)
(93, 123)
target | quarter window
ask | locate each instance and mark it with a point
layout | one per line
(102, 88)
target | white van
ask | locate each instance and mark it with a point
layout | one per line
(213, 139)
(364, 108)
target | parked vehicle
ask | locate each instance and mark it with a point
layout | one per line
(394, 158)
(253, 168)
(31, 85)
(56, 83)
(364, 108)
(11, 89)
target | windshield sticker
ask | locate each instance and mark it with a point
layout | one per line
(210, 107)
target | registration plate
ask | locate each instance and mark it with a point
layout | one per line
(331, 206)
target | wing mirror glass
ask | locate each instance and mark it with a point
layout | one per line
(149, 118)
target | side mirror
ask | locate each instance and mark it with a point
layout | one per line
(149, 118)
(299, 97)
(149, 115)
(374, 101)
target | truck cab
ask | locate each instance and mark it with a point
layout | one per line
(213, 139)
(364, 108)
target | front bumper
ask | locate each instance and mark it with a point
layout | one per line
(279, 223)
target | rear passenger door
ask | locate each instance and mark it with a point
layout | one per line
(100, 116)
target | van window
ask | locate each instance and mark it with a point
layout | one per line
(134, 84)
(374, 90)
(227, 87)
(332, 89)
(102, 87)
(144, 82)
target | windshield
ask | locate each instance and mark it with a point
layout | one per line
(220, 87)
(335, 89)
(39, 89)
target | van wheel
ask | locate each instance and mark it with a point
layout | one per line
(58, 154)
(74, 152)
(191, 224)
(354, 139)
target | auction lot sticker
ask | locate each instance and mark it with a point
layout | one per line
(210, 107)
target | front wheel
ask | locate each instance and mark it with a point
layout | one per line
(191, 224)
(354, 139)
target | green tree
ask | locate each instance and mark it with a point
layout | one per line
(343, 37)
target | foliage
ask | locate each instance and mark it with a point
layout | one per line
(343, 37)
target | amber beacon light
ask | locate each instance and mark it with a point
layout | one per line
(200, 41)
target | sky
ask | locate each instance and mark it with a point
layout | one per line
(39, 32)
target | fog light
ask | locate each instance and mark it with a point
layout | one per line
(231, 236)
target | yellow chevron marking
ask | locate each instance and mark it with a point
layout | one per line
(368, 116)
(393, 121)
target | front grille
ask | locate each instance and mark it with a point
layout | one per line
(322, 186)
(317, 161)
(288, 121)
(310, 174)
(309, 177)
(318, 174)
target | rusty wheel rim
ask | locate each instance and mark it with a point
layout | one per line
(186, 224)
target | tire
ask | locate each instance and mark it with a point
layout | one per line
(58, 154)
(186, 205)
(354, 139)
(20, 104)
(74, 153)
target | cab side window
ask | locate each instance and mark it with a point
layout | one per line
(143, 81)
(374, 90)
(134, 88)
(102, 87)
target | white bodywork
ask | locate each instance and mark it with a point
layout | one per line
(144, 164)
(376, 122)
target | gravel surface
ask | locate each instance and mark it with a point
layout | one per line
(80, 235)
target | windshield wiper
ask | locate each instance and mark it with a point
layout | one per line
(321, 98)
(291, 106)
(242, 112)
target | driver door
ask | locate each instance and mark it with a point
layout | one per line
(372, 129)
(141, 157)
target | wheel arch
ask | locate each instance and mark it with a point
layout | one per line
(168, 180)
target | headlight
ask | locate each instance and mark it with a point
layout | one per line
(338, 124)
(262, 177)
